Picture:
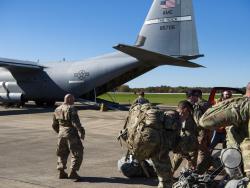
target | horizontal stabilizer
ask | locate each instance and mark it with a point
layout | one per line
(190, 57)
(16, 65)
(154, 58)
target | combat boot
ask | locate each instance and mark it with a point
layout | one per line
(62, 174)
(73, 175)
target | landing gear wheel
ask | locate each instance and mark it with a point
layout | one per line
(21, 104)
(39, 103)
(50, 103)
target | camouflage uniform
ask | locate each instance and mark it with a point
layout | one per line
(140, 100)
(67, 124)
(163, 168)
(187, 145)
(168, 141)
(233, 112)
(150, 134)
(204, 159)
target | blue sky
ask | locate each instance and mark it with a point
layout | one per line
(50, 30)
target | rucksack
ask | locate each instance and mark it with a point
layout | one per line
(145, 131)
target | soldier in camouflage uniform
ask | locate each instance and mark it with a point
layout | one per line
(151, 134)
(188, 144)
(219, 135)
(67, 124)
(168, 140)
(235, 112)
(200, 105)
(141, 99)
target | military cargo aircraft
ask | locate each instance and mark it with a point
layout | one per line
(168, 37)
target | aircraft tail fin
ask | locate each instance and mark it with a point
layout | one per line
(169, 29)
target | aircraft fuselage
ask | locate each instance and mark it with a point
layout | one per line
(60, 78)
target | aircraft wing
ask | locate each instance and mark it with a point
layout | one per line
(19, 65)
(154, 57)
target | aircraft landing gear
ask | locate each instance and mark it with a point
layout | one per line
(21, 104)
(49, 103)
(39, 103)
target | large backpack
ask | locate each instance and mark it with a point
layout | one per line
(145, 131)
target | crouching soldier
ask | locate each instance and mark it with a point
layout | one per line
(187, 145)
(151, 134)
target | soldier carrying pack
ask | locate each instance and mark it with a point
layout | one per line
(146, 129)
(149, 133)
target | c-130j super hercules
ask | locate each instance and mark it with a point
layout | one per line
(168, 37)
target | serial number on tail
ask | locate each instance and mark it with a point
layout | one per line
(167, 27)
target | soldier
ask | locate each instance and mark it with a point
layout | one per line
(200, 105)
(67, 124)
(219, 135)
(188, 144)
(151, 134)
(161, 159)
(235, 112)
(141, 99)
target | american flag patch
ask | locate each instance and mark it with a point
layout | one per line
(168, 4)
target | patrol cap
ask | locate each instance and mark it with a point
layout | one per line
(198, 92)
(194, 92)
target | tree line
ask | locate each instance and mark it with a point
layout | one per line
(162, 89)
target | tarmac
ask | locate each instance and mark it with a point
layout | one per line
(28, 150)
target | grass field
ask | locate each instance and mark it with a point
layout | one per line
(127, 98)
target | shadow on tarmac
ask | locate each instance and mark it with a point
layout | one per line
(119, 180)
(23, 111)
(33, 109)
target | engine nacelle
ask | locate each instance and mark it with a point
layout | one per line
(11, 97)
